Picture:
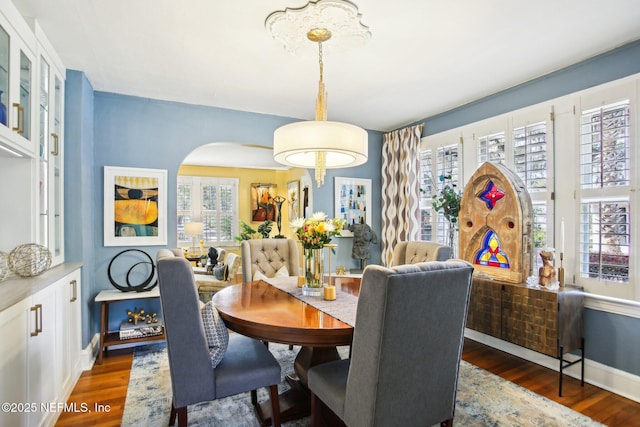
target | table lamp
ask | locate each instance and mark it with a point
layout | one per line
(194, 229)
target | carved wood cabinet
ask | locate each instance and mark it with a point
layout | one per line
(546, 321)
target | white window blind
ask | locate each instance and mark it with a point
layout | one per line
(530, 155)
(491, 148)
(605, 176)
(435, 173)
(605, 146)
(605, 240)
(214, 202)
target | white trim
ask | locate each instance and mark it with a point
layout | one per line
(90, 352)
(603, 376)
(619, 306)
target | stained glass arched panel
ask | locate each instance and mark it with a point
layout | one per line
(490, 253)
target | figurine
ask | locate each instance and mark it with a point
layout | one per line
(546, 273)
(363, 235)
(212, 259)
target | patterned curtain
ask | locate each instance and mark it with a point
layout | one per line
(400, 189)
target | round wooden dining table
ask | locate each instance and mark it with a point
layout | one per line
(262, 311)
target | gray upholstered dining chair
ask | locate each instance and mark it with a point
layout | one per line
(419, 308)
(269, 257)
(419, 251)
(246, 364)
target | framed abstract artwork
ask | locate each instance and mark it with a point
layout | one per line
(135, 206)
(293, 199)
(263, 207)
(353, 200)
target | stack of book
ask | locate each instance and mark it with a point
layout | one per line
(128, 330)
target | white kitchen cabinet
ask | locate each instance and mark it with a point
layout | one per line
(69, 332)
(17, 78)
(43, 361)
(40, 349)
(14, 323)
(32, 78)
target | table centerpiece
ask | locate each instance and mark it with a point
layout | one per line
(313, 234)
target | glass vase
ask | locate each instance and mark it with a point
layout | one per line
(314, 268)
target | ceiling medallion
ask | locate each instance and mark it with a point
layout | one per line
(341, 18)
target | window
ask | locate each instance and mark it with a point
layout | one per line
(605, 170)
(604, 146)
(530, 162)
(491, 148)
(530, 155)
(434, 173)
(604, 240)
(214, 202)
(427, 190)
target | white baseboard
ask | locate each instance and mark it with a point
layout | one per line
(603, 376)
(90, 352)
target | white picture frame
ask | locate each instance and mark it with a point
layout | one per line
(293, 200)
(135, 206)
(352, 201)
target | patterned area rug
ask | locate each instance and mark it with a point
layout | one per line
(483, 399)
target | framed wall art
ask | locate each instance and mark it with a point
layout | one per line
(293, 199)
(353, 200)
(135, 206)
(263, 207)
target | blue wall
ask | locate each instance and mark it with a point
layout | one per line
(80, 192)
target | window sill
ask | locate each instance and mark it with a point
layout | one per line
(623, 307)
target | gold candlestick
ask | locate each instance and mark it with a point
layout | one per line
(331, 247)
(561, 271)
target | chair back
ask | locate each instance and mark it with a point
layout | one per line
(268, 256)
(420, 251)
(192, 377)
(407, 344)
(233, 262)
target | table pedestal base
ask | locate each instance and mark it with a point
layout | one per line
(295, 403)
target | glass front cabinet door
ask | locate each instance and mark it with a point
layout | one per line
(50, 146)
(17, 62)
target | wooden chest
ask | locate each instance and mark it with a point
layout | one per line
(538, 319)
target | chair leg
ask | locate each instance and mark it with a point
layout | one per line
(172, 417)
(182, 416)
(315, 410)
(254, 397)
(275, 405)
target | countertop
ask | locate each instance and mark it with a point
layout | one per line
(16, 288)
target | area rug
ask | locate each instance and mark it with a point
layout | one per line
(483, 399)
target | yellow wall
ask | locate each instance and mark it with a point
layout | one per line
(246, 178)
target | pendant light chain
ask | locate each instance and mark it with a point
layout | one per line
(321, 115)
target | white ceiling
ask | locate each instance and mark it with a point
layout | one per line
(424, 56)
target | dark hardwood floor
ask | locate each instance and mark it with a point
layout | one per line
(106, 384)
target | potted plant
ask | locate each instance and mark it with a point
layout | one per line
(447, 201)
(248, 233)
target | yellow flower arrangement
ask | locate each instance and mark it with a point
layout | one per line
(318, 230)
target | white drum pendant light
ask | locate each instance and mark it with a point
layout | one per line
(319, 143)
